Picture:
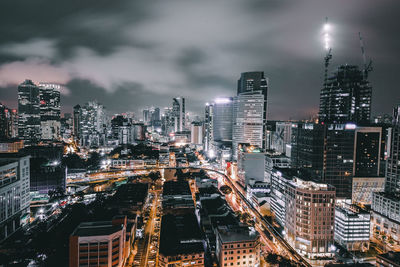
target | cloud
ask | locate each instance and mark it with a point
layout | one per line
(35, 69)
(151, 52)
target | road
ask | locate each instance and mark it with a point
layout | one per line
(292, 253)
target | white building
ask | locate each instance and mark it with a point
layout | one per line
(352, 228)
(14, 193)
(248, 115)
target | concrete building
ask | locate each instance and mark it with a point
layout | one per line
(91, 119)
(251, 164)
(50, 111)
(282, 136)
(11, 146)
(14, 193)
(181, 242)
(346, 97)
(99, 244)
(385, 214)
(237, 246)
(8, 123)
(196, 133)
(248, 120)
(309, 225)
(29, 112)
(208, 127)
(352, 227)
(178, 114)
(255, 83)
(364, 187)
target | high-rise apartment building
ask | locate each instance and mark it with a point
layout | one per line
(14, 193)
(346, 97)
(29, 112)
(237, 246)
(310, 213)
(178, 113)
(50, 112)
(248, 120)
(256, 83)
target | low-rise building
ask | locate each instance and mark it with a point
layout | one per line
(352, 227)
(99, 244)
(385, 218)
(181, 242)
(237, 246)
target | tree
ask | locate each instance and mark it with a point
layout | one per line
(154, 176)
(225, 189)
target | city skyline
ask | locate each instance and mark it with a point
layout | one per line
(129, 64)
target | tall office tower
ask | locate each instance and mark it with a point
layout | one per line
(92, 120)
(29, 112)
(385, 216)
(196, 133)
(346, 97)
(167, 121)
(255, 82)
(308, 147)
(8, 123)
(77, 120)
(146, 116)
(248, 120)
(350, 151)
(50, 111)
(178, 113)
(155, 117)
(222, 119)
(310, 209)
(208, 127)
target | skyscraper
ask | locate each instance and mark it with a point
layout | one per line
(248, 120)
(256, 83)
(50, 111)
(29, 112)
(92, 118)
(8, 123)
(346, 97)
(208, 127)
(385, 215)
(178, 112)
(77, 120)
(222, 119)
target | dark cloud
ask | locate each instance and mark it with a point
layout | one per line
(133, 54)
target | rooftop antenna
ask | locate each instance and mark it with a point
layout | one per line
(327, 47)
(367, 66)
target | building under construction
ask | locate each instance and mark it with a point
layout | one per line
(346, 97)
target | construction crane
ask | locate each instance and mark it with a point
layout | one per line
(328, 55)
(367, 66)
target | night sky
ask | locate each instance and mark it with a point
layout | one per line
(133, 54)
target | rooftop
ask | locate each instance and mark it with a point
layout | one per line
(131, 193)
(172, 188)
(229, 234)
(96, 229)
(180, 235)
